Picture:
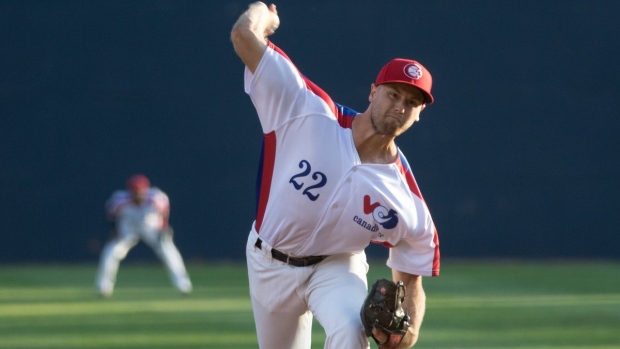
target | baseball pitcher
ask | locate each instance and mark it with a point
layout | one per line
(331, 181)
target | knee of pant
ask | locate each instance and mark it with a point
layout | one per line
(119, 252)
(347, 332)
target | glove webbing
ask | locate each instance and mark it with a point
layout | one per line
(394, 338)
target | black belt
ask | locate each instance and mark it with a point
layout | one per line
(294, 261)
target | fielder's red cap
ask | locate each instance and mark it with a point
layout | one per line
(138, 182)
(407, 71)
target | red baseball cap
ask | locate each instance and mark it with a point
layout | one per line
(138, 182)
(410, 72)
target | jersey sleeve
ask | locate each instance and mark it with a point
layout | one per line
(116, 202)
(417, 254)
(160, 201)
(280, 92)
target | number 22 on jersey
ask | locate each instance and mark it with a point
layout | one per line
(318, 180)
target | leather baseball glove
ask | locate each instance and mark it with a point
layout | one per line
(382, 310)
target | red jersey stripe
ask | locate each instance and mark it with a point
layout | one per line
(268, 160)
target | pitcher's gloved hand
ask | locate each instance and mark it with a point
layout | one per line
(382, 310)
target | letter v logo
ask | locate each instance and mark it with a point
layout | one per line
(368, 207)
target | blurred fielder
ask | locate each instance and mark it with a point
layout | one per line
(140, 213)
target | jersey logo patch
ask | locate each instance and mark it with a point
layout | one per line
(385, 217)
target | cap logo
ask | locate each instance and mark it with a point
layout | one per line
(413, 71)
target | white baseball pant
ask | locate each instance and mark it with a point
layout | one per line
(285, 298)
(116, 250)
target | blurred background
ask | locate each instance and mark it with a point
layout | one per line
(518, 157)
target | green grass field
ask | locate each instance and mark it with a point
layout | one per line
(481, 305)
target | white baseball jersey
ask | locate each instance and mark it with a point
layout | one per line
(152, 215)
(329, 201)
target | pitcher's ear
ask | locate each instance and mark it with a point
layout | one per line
(373, 89)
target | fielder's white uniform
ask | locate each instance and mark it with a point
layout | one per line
(315, 197)
(144, 222)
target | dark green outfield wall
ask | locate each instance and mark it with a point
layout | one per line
(518, 157)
